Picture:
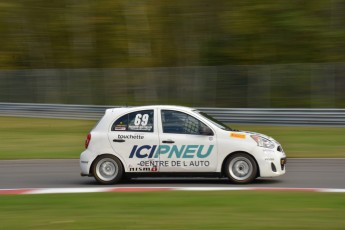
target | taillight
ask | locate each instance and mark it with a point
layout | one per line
(87, 141)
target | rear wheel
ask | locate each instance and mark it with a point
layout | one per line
(241, 168)
(107, 169)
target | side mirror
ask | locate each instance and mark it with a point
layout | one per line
(206, 131)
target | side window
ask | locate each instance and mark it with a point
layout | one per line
(178, 122)
(120, 124)
(140, 121)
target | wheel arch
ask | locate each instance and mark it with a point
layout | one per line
(237, 152)
(105, 154)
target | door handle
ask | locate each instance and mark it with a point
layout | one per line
(118, 140)
(168, 142)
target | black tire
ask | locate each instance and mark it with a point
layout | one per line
(241, 168)
(107, 169)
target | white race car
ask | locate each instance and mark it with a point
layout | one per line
(176, 141)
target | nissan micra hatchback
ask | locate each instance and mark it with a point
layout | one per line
(176, 141)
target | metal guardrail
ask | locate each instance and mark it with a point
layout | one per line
(333, 117)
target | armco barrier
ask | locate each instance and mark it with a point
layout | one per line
(333, 117)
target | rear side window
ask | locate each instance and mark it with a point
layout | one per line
(139, 121)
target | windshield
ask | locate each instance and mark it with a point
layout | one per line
(214, 121)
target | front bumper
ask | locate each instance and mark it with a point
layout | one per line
(271, 162)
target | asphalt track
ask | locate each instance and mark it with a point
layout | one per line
(301, 173)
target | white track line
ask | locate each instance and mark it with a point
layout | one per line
(150, 189)
(65, 190)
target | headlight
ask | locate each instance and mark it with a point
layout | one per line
(263, 142)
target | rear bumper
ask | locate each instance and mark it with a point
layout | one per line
(88, 175)
(85, 162)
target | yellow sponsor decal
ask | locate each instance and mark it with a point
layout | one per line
(238, 135)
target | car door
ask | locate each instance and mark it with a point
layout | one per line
(186, 143)
(134, 136)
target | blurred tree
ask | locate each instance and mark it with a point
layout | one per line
(281, 31)
(239, 38)
(139, 33)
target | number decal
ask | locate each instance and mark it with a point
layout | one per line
(141, 119)
(141, 123)
(137, 120)
(145, 120)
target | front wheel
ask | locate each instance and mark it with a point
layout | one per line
(107, 169)
(241, 168)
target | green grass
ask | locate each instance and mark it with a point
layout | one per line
(174, 210)
(32, 138)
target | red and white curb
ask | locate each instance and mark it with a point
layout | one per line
(151, 189)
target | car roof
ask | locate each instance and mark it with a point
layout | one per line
(146, 107)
